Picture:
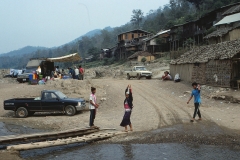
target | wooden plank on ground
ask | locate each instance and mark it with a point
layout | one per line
(46, 135)
(59, 142)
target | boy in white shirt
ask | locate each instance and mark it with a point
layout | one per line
(92, 107)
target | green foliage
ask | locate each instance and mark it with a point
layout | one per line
(197, 3)
(169, 24)
(137, 17)
(109, 61)
(95, 52)
(143, 59)
(93, 64)
(210, 30)
(188, 43)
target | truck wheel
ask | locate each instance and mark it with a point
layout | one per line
(128, 76)
(149, 77)
(138, 76)
(70, 110)
(21, 112)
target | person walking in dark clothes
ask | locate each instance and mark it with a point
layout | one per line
(92, 107)
(197, 100)
(128, 105)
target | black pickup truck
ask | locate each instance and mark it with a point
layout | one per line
(49, 101)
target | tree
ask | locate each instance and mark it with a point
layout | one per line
(143, 59)
(196, 3)
(169, 24)
(94, 52)
(137, 17)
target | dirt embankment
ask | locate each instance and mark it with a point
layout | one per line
(157, 67)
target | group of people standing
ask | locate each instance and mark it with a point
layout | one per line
(128, 106)
(77, 72)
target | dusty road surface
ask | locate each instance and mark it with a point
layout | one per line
(157, 104)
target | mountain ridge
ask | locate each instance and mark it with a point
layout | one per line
(32, 49)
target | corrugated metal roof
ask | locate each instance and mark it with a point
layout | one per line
(229, 19)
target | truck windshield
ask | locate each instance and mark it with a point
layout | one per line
(141, 69)
(30, 70)
(61, 95)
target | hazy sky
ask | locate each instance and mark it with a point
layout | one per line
(52, 23)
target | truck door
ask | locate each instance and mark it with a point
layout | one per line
(50, 102)
(134, 72)
(34, 105)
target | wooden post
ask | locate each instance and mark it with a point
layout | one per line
(198, 39)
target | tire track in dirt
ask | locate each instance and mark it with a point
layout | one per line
(173, 103)
(179, 105)
(150, 94)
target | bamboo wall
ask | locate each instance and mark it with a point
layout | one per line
(149, 58)
(234, 34)
(199, 73)
(214, 73)
(218, 73)
(184, 70)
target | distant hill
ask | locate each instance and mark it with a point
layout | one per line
(22, 55)
(88, 34)
(24, 50)
(91, 33)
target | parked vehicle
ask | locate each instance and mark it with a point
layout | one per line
(138, 72)
(46, 68)
(49, 101)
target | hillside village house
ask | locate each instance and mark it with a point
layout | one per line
(197, 29)
(129, 41)
(140, 54)
(151, 45)
(216, 64)
(228, 28)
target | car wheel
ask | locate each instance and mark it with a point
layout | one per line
(30, 113)
(149, 77)
(138, 76)
(21, 112)
(70, 110)
(128, 76)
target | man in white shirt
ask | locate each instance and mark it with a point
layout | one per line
(76, 72)
(92, 107)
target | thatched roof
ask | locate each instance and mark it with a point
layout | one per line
(224, 50)
(219, 32)
(233, 9)
(140, 53)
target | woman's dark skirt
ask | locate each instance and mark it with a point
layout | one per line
(126, 119)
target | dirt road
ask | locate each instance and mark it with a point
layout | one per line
(156, 104)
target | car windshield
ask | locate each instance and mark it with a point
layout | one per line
(30, 70)
(141, 69)
(61, 95)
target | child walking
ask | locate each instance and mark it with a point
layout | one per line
(128, 105)
(92, 107)
(197, 100)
